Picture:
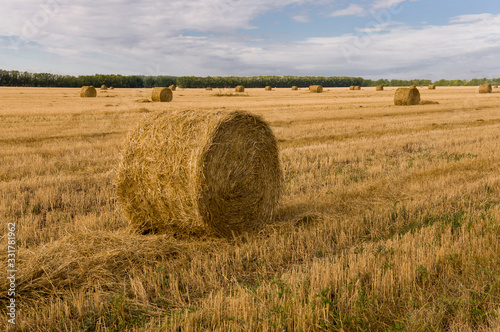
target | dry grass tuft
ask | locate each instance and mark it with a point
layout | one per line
(485, 88)
(88, 91)
(406, 97)
(162, 94)
(428, 102)
(198, 172)
(316, 88)
(142, 100)
(240, 88)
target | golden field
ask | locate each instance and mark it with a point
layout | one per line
(390, 219)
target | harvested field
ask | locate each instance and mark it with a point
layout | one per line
(389, 218)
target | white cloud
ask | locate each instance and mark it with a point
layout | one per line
(352, 10)
(301, 18)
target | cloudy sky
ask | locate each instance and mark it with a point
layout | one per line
(404, 39)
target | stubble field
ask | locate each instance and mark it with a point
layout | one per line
(390, 218)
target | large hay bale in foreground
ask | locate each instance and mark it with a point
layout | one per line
(192, 172)
(161, 94)
(485, 88)
(268, 88)
(432, 87)
(406, 97)
(88, 91)
(294, 88)
(239, 88)
(316, 88)
(379, 88)
(172, 87)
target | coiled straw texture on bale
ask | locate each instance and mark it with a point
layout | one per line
(485, 88)
(162, 94)
(240, 88)
(200, 172)
(88, 91)
(379, 88)
(406, 97)
(316, 88)
(268, 88)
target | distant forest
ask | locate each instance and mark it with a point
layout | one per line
(26, 79)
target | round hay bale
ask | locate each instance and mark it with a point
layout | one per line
(351, 87)
(432, 87)
(379, 88)
(240, 88)
(294, 88)
(111, 88)
(172, 87)
(485, 88)
(316, 88)
(103, 87)
(268, 88)
(413, 87)
(406, 97)
(88, 91)
(161, 94)
(357, 87)
(208, 88)
(199, 172)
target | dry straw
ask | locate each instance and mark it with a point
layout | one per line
(240, 88)
(268, 88)
(351, 87)
(111, 88)
(432, 87)
(294, 88)
(485, 88)
(316, 88)
(88, 91)
(379, 88)
(198, 172)
(406, 97)
(103, 87)
(161, 94)
(208, 88)
(357, 87)
(172, 87)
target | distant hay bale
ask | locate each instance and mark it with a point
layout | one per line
(240, 88)
(357, 87)
(208, 88)
(406, 97)
(103, 87)
(379, 88)
(294, 88)
(111, 88)
(485, 88)
(268, 88)
(496, 86)
(172, 87)
(199, 172)
(88, 91)
(316, 88)
(351, 87)
(161, 94)
(432, 87)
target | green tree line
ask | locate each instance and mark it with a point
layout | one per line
(19, 78)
